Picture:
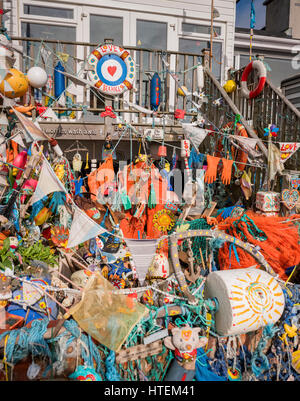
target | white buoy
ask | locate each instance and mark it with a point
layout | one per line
(248, 299)
(200, 77)
(37, 77)
(56, 147)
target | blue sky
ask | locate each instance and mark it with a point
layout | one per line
(243, 14)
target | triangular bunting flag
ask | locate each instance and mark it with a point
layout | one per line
(72, 89)
(83, 228)
(287, 149)
(19, 140)
(35, 133)
(49, 113)
(62, 100)
(3, 119)
(195, 134)
(246, 142)
(48, 182)
(7, 87)
(8, 102)
(142, 253)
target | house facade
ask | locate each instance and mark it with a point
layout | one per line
(278, 41)
(168, 24)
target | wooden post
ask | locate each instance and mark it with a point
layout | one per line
(211, 34)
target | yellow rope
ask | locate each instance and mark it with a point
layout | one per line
(289, 292)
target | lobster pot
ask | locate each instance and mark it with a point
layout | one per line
(248, 299)
(185, 148)
(268, 201)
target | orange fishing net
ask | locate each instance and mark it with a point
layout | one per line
(281, 249)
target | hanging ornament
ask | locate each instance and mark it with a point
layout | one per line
(77, 163)
(230, 86)
(155, 91)
(185, 148)
(87, 161)
(162, 151)
(179, 114)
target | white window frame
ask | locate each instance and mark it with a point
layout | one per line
(45, 19)
(205, 37)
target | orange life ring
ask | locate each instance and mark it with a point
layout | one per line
(241, 157)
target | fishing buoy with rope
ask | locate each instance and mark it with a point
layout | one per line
(260, 67)
(155, 92)
(200, 78)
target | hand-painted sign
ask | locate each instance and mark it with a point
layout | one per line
(287, 149)
(113, 69)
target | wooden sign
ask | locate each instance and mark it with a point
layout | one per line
(138, 352)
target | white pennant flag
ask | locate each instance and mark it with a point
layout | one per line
(48, 182)
(19, 140)
(83, 228)
(3, 119)
(73, 89)
(246, 142)
(33, 131)
(196, 134)
(49, 113)
(142, 253)
(62, 100)
(287, 149)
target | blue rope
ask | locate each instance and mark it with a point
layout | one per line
(111, 370)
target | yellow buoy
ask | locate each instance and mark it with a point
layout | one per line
(15, 84)
(182, 91)
(230, 86)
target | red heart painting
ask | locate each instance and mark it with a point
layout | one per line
(111, 70)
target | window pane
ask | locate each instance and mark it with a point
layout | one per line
(196, 47)
(44, 31)
(103, 27)
(151, 35)
(41, 31)
(49, 11)
(195, 28)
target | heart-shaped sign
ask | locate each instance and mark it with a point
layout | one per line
(111, 70)
(290, 198)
